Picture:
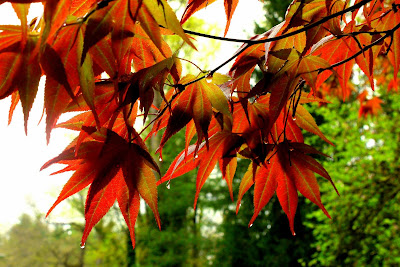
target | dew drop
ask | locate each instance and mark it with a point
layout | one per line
(291, 149)
(294, 118)
(160, 159)
(169, 184)
(240, 204)
(269, 162)
(197, 156)
(209, 78)
(82, 245)
(250, 225)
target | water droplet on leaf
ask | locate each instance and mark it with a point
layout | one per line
(294, 118)
(169, 184)
(209, 78)
(197, 156)
(250, 225)
(82, 245)
(160, 159)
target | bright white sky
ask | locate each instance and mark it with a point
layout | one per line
(22, 156)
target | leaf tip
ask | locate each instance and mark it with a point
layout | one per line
(195, 199)
(158, 220)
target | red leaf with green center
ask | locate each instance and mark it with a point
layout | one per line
(307, 122)
(265, 185)
(129, 204)
(101, 197)
(286, 169)
(115, 169)
(84, 174)
(139, 174)
(300, 13)
(287, 196)
(55, 15)
(79, 8)
(283, 86)
(221, 144)
(22, 13)
(124, 29)
(305, 180)
(98, 26)
(183, 163)
(333, 52)
(9, 68)
(166, 17)
(145, 53)
(245, 184)
(228, 166)
(86, 78)
(10, 35)
(202, 113)
(243, 67)
(147, 80)
(60, 64)
(309, 67)
(285, 127)
(58, 92)
(195, 102)
(149, 24)
(29, 73)
(103, 56)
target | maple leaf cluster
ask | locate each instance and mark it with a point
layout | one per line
(78, 43)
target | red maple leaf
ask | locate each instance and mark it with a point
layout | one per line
(115, 170)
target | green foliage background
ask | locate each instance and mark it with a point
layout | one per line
(365, 166)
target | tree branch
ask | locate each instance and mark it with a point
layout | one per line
(272, 39)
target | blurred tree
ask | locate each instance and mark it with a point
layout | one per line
(38, 242)
(31, 242)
